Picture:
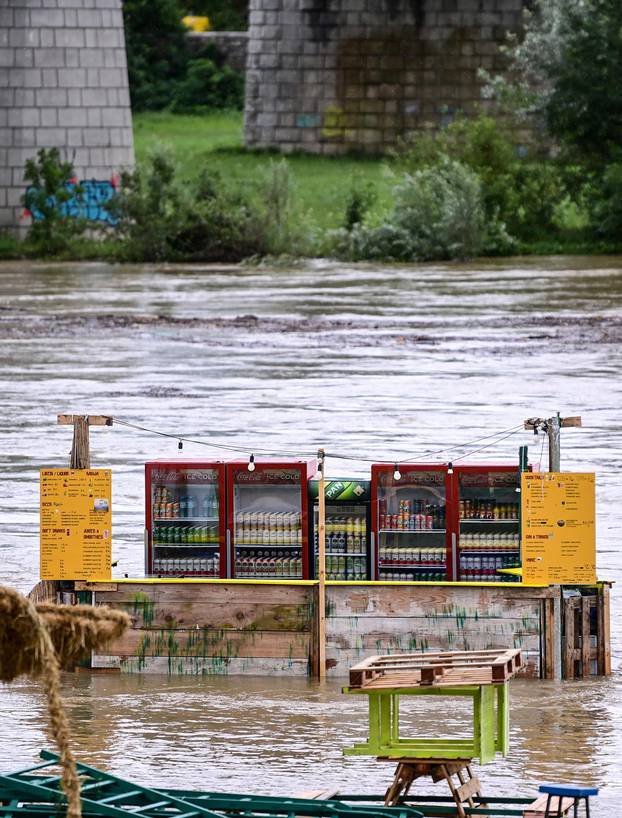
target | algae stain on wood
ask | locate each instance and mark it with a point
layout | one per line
(144, 607)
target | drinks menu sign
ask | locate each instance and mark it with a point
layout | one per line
(76, 524)
(558, 528)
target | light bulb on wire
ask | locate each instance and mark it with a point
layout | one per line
(180, 445)
(397, 475)
(450, 468)
(251, 463)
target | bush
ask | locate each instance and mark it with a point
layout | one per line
(438, 214)
(277, 224)
(162, 218)
(522, 192)
(49, 197)
(162, 73)
(208, 87)
(606, 204)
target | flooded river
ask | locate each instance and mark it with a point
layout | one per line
(369, 363)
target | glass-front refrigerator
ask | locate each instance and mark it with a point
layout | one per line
(486, 521)
(185, 518)
(411, 540)
(268, 522)
(348, 528)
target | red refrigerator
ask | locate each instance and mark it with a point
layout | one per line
(267, 524)
(410, 538)
(485, 522)
(185, 518)
(435, 523)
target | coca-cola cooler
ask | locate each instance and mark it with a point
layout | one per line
(347, 528)
(485, 522)
(185, 518)
(268, 519)
(410, 537)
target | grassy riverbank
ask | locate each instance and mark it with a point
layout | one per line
(322, 183)
(327, 192)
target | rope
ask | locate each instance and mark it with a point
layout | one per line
(35, 640)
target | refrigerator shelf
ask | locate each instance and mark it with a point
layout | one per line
(269, 546)
(492, 551)
(399, 564)
(200, 545)
(488, 522)
(344, 554)
(413, 530)
(185, 519)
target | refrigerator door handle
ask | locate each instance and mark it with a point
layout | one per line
(454, 557)
(228, 554)
(372, 555)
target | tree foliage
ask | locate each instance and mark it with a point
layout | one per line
(566, 70)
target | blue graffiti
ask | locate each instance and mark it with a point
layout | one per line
(87, 202)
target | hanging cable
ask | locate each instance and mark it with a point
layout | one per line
(335, 455)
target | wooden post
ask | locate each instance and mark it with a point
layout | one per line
(80, 457)
(321, 551)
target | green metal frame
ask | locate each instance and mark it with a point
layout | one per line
(491, 730)
(31, 793)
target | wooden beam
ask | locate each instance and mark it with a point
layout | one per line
(92, 420)
(569, 422)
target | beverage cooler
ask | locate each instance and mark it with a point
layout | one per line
(268, 525)
(411, 540)
(347, 530)
(185, 518)
(486, 522)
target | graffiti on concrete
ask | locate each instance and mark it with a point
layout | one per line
(88, 201)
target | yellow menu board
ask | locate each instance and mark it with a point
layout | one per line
(76, 523)
(558, 528)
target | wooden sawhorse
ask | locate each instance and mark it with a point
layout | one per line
(438, 769)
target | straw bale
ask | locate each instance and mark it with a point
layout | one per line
(35, 640)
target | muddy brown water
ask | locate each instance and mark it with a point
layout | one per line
(368, 362)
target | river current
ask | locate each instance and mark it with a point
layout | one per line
(367, 362)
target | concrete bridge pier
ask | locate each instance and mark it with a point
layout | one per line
(330, 76)
(63, 83)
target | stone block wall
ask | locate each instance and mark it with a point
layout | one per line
(63, 84)
(330, 76)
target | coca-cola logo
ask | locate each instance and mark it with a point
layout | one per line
(185, 475)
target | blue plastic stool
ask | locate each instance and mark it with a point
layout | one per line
(567, 791)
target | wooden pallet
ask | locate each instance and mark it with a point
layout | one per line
(435, 669)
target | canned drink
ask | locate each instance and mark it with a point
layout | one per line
(429, 521)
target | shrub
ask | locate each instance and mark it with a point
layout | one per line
(606, 204)
(277, 224)
(49, 197)
(522, 192)
(361, 197)
(162, 73)
(208, 87)
(162, 218)
(437, 214)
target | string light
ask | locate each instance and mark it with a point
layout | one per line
(251, 463)
(180, 445)
(397, 475)
(335, 455)
(450, 468)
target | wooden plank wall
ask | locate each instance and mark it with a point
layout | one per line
(376, 619)
(212, 628)
(238, 628)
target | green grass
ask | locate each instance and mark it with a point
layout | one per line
(322, 182)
